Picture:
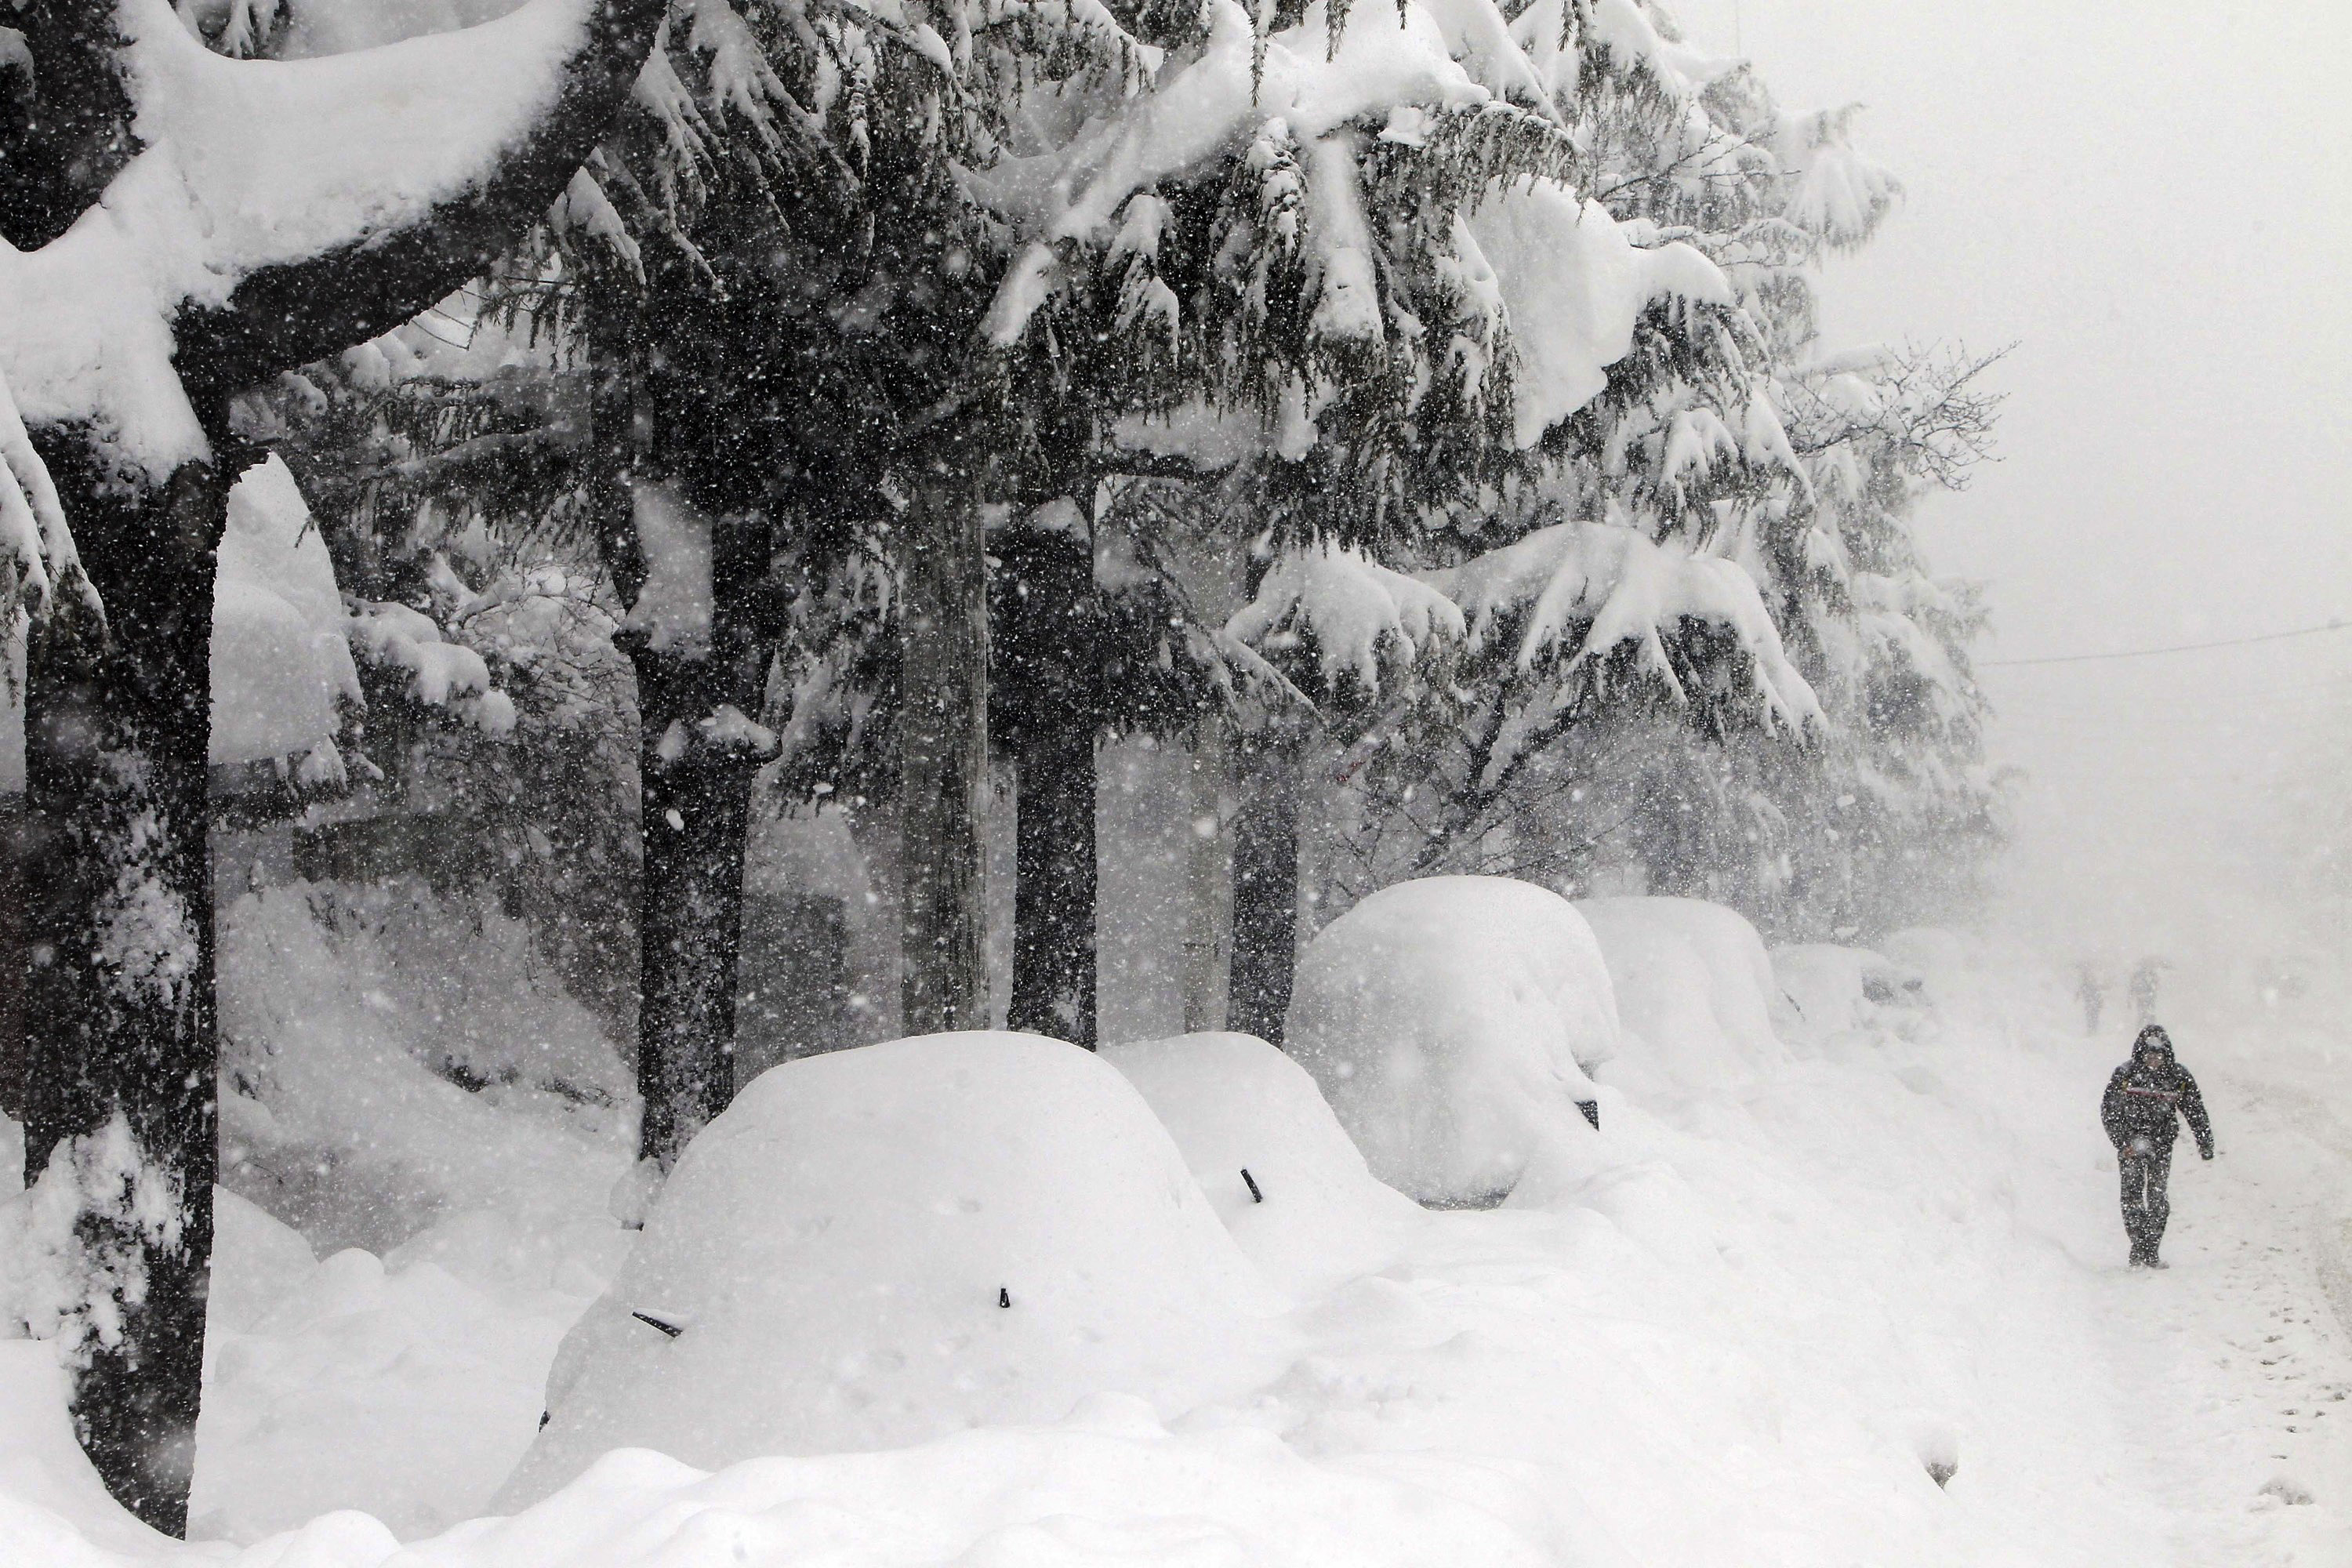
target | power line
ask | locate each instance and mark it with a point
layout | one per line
(2335, 626)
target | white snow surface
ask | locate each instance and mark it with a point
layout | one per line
(1834, 992)
(885, 1245)
(422, 1367)
(1742, 1339)
(1695, 989)
(338, 26)
(1452, 1023)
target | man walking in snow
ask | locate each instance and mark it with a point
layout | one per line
(2142, 1109)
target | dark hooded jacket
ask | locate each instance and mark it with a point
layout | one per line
(2144, 1101)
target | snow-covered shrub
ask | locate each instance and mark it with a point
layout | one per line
(1695, 989)
(879, 1246)
(1452, 1023)
(389, 1056)
(282, 662)
(1272, 1159)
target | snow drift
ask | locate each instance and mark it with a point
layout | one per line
(884, 1245)
(1452, 1023)
(389, 1056)
(406, 1386)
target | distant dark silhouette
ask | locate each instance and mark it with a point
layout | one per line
(2093, 992)
(2145, 978)
(2147, 1099)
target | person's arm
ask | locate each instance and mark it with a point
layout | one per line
(2192, 1106)
(2111, 1109)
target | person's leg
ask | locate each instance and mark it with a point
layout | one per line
(2158, 1205)
(2134, 1200)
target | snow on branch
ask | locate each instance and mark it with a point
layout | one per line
(1239, 83)
(1835, 194)
(37, 547)
(1357, 613)
(280, 160)
(1590, 590)
(1576, 285)
(276, 210)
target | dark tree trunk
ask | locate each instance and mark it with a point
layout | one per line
(1266, 896)
(695, 782)
(694, 809)
(13, 1072)
(942, 758)
(121, 1034)
(1054, 890)
(1043, 712)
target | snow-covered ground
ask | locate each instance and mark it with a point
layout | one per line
(1746, 1340)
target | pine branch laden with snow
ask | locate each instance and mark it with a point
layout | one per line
(1591, 600)
(1354, 616)
(1332, 289)
(1835, 194)
(38, 556)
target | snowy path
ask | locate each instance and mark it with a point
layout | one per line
(2236, 1364)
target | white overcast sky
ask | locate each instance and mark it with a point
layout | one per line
(2154, 202)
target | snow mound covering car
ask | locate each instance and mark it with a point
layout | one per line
(1452, 1023)
(1836, 990)
(1695, 989)
(881, 1246)
(1271, 1158)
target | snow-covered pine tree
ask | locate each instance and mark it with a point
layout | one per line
(1900, 812)
(1688, 453)
(303, 230)
(1285, 335)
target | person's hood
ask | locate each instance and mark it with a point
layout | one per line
(2160, 1044)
